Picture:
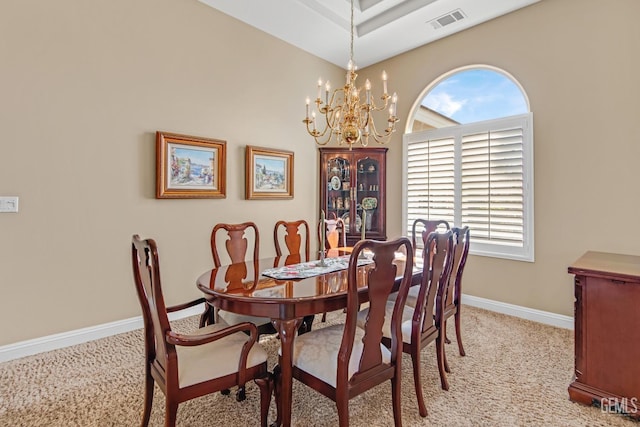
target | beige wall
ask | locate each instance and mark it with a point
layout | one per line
(85, 85)
(577, 60)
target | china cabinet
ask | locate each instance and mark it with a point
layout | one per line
(352, 187)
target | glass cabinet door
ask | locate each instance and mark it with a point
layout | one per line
(368, 195)
(338, 200)
(352, 187)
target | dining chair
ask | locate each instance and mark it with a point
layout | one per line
(420, 230)
(292, 234)
(420, 326)
(342, 361)
(454, 290)
(423, 227)
(235, 238)
(185, 366)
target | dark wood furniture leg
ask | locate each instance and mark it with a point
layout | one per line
(284, 372)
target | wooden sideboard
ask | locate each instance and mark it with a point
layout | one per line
(607, 332)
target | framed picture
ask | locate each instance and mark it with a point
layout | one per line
(189, 167)
(269, 173)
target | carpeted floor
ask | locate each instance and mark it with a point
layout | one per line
(516, 373)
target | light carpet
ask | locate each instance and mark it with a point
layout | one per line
(515, 373)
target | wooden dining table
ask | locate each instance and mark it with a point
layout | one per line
(242, 288)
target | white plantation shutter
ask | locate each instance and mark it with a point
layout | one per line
(430, 180)
(478, 175)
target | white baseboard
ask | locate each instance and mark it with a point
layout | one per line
(79, 336)
(66, 339)
(546, 317)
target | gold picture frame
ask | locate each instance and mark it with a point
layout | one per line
(190, 167)
(268, 173)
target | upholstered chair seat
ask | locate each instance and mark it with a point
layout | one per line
(216, 359)
(407, 314)
(317, 353)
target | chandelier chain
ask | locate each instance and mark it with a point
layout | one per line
(352, 31)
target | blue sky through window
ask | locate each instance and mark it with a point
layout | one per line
(476, 95)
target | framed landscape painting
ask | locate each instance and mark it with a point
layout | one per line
(269, 173)
(189, 167)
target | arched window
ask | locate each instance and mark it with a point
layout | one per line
(468, 153)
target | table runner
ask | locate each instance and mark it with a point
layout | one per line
(312, 268)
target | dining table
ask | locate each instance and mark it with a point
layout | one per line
(287, 291)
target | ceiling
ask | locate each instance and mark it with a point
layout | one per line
(384, 28)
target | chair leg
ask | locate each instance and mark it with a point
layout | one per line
(266, 389)
(395, 395)
(440, 356)
(417, 381)
(207, 317)
(241, 394)
(171, 413)
(342, 403)
(458, 336)
(306, 325)
(276, 391)
(148, 397)
(444, 361)
(444, 350)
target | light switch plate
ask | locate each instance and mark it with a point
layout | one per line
(9, 204)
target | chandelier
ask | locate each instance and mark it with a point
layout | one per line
(345, 117)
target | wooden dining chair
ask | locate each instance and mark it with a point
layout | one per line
(292, 234)
(236, 239)
(185, 366)
(454, 290)
(421, 324)
(422, 227)
(419, 232)
(343, 361)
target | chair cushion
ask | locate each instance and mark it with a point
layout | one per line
(215, 359)
(316, 353)
(412, 296)
(407, 314)
(234, 318)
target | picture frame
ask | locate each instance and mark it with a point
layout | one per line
(268, 173)
(190, 167)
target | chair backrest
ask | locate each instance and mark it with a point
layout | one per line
(292, 234)
(380, 278)
(461, 241)
(146, 274)
(424, 227)
(237, 243)
(437, 270)
(339, 227)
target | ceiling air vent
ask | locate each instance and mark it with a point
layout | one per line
(449, 18)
